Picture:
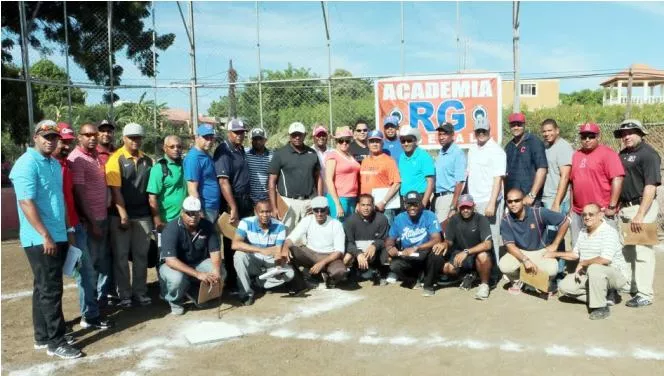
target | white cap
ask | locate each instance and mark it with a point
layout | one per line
(407, 130)
(319, 202)
(296, 127)
(133, 129)
(191, 203)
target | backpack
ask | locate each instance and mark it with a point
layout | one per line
(165, 172)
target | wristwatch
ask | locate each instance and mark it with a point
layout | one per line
(531, 195)
(611, 207)
(466, 251)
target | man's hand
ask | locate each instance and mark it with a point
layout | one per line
(530, 267)
(555, 207)
(440, 248)
(233, 217)
(274, 251)
(451, 213)
(527, 200)
(340, 211)
(609, 212)
(393, 251)
(50, 249)
(317, 268)
(550, 251)
(362, 261)
(158, 224)
(380, 206)
(370, 252)
(636, 223)
(94, 229)
(459, 258)
(490, 210)
(209, 278)
(124, 223)
(579, 271)
(275, 214)
(425, 203)
(409, 251)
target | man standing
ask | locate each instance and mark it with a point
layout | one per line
(415, 167)
(200, 174)
(378, 170)
(105, 145)
(127, 173)
(320, 146)
(258, 161)
(37, 180)
(638, 204)
(392, 144)
(417, 230)
(486, 169)
(166, 188)
(596, 177)
(295, 175)
(189, 252)
(526, 161)
(450, 173)
(601, 270)
(358, 148)
(559, 157)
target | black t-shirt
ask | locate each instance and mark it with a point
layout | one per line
(177, 241)
(358, 152)
(465, 234)
(295, 171)
(642, 167)
(358, 229)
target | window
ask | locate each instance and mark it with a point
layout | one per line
(529, 90)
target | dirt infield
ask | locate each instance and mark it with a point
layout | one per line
(369, 331)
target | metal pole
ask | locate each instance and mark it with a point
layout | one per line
(515, 25)
(403, 69)
(66, 25)
(628, 109)
(192, 53)
(326, 16)
(154, 67)
(260, 69)
(110, 55)
(26, 68)
(458, 31)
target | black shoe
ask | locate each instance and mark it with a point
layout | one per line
(446, 281)
(248, 300)
(65, 352)
(69, 339)
(467, 281)
(638, 301)
(612, 297)
(301, 290)
(96, 323)
(600, 313)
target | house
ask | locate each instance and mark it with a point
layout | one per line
(534, 94)
(181, 118)
(645, 80)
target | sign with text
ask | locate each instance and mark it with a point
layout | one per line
(425, 102)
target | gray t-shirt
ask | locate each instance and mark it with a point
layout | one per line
(559, 154)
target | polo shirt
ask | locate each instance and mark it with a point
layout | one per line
(358, 152)
(411, 233)
(378, 172)
(322, 238)
(88, 169)
(450, 168)
(177, 241)
(230, 163)
(393, 148)
(346, 174)
(199, 167)
(104, 153)
(604, 242)
(591, 176)
(523, 160)
(258, 165)
(68, 192)
(484, 164)
(466, 233)
(250, 230)
(170, 190)
(295, 171)
(642, 167)
(528, 234)
(414, 170)
(362, 232)
(131, 175)
(558, 154)
(39, 178)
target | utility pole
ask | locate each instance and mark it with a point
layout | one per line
(109, 24)
(628, 109)
(326, 18)
(232, 101)
(515, 41)
(458, 31)
(192, 53)
(26, 68)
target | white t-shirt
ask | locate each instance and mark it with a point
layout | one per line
(485, 163)
(604, 243)
(326, 238)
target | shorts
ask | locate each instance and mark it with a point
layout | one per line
(468, 265)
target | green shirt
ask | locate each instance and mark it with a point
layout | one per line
(170, 190)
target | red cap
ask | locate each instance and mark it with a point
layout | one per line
(589, 128)
(66, 131)
(319, 129)
(517, 117)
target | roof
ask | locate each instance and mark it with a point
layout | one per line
(640, 73)
(180, 115)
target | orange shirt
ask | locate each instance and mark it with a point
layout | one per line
(378, 172)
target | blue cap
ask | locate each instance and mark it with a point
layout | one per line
(391, 120)
(205, 130)
(375, 135)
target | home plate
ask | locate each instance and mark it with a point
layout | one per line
(211, 331)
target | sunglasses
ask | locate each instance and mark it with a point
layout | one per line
(319, 210)
(192, 214)
(514, 201)
(51, 137)
(375, 140)
(584, 215)
(362, 130)
(588, 136)
(176, 146)
(239, 132)
(412, 204)
(89, 135)
(343, 141)
(481, 131)
(407, 141)
(47, 128)
(296, 134)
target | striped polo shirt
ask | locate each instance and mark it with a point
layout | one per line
(250, 229)
(604, 242)
(87, 169)
(258, 165)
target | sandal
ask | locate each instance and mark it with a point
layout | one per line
(516, 287)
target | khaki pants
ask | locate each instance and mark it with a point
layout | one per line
(442, 206)
(591, 287)
(297, 209)
(135, 239)
(509, 265)
(305, 257)
(640, 257)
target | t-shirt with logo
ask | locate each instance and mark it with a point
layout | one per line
(190, 248)
(642, 167)
(523, 161)
(378, 172)
(411, 233)
(591, 176)
(358, 151)
(466, 233)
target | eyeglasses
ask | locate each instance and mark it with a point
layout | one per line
(296, 134)
(135, 138)
(375, 140)
(319, 210)
(51, 136)
(514, 201)
(588, 136)
(584, 215)
(176, 146)
(481, 131)
(343, 141)
(47, 128)
(192, 214)
(365, 130)
(407, 140)
(89, 135)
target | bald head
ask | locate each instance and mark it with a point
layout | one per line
(173, 147)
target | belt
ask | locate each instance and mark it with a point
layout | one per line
(440, 194)
(627, 203)
(301, 197)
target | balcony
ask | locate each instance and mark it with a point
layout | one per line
(636, 100)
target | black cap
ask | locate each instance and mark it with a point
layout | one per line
(446, 127)
(413, 197)
(106, 123)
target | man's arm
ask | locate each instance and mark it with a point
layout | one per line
(154, 211)
(646, 201)
(120, 205)
(192, 188)
(538, 183)
(562, 187)
(435, 239)
(490, 210)
(616, 189)
(240, 244)
(351, 247)
(227, 192)
(562, 230)
(426, 198)
(595, 260)
(272, 192)
(175, 264)
(32, 215)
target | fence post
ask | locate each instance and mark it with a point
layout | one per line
(260, 69)
(109, 6)
(194, 89)
(66, 25)
(154, 67)
(326, 16)
(26, 69)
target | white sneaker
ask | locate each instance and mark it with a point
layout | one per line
(391, 278)
(482, 292)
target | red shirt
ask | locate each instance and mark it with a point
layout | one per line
(591, 176)
(68, 190)
(103, 153)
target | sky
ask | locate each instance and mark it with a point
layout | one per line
(557, 39)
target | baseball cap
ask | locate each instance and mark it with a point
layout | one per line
(235, 125)
(517, 117)
(319, 202)
(412, 197)
(630, 124)
(446, 127)
(318, 130)
(481, 123)
(258, 133)
(391, 120)
(407, 131)
(465, 200)
(46, 127)
(296, 127)
(133, 129)
(375, 135)
(589, 128)
(66, 131)
(191, 203)
(205, 129)
(343, 132)
(106, 123)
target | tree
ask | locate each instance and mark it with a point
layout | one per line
(46, 95)
(583, 97)
(15, 105)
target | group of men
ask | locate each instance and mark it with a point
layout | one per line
(433, 217)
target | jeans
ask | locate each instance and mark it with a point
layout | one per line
(347, 204)
(211, 215)
(100, 252)
(249, 266)
(85, 278)
(47, 318)
(174, 285)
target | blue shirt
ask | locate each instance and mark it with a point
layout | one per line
(199, 167)
(250, 229)
(39, 178)
(414, 171)
(230, 163)
(523, 160)
(450, 168)
(393, 148)
(414, 233)
(529, 234)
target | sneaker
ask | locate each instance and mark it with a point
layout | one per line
(125, 303)
(144, 300)
(43, 345)
(612, 297)
(193, 299)
(391, 278)
(482, 292)
(467, 281)
(96, 323)
(446, 281)
(176, 309)
(600, 313)
(65, 352)
(368, 274)
(428, 291)
(638, 301)
(516, 287)
(248, 300)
